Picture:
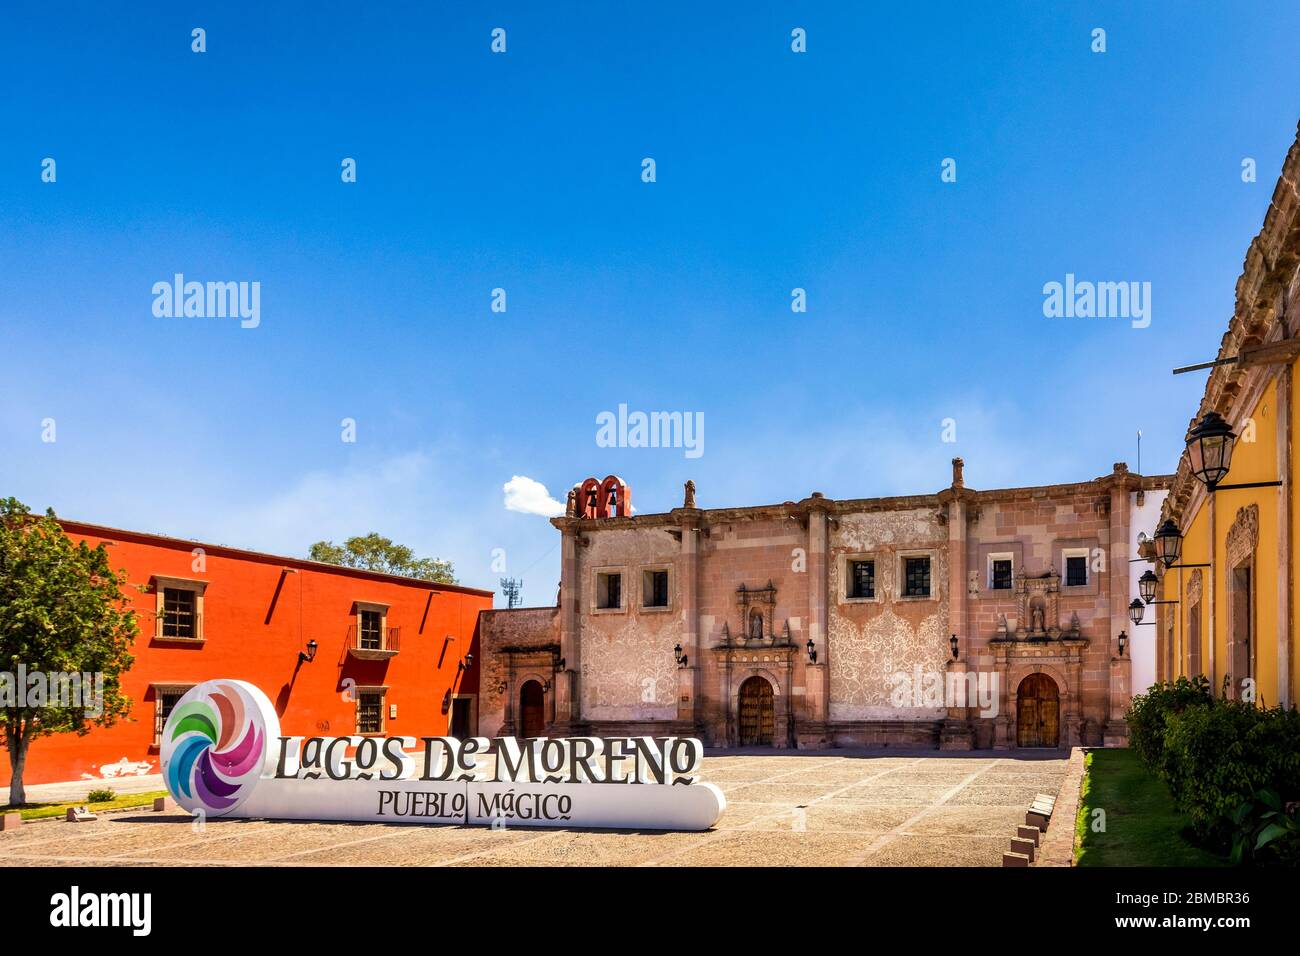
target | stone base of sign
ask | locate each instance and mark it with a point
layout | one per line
(1014, 859)
(695, 806)
(79, 815)
(10, 821)
(163, 804)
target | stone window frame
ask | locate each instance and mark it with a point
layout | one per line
(624, 603)
(842, 592)
(642, 607)
(1240, 545)
(988, 567)
(382, 691)
(900, 568)
(1194, 617)
(161, 582)
(1081, 552)
(382, 608)
(159, 688)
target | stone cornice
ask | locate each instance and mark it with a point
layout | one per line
(1121, 479)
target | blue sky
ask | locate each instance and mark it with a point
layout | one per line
(522, 171)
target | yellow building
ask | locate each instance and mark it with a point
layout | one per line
(1228, 538)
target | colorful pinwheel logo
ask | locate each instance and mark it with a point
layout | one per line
(214, 745)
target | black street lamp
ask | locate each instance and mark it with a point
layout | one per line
(310, 655)
(679, 656)
(1169, 542)
(1123, 639)
(952, 643)
(1136, 611)
(1147, 585)
(1209, 449)
(1209, 452)
(812, 651)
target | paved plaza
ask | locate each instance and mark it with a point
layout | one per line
(836, 809)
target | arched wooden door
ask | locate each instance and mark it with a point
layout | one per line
(1038, 712)
(532, 701)
(757, 713)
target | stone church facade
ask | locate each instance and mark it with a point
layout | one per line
(830, 623)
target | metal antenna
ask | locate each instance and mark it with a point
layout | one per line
(511, 588)
(1139, 451)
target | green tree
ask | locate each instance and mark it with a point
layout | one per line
(373, 552)
(62, 611)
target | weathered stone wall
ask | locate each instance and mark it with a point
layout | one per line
(872, 641)
(499, 630)
(628, 671)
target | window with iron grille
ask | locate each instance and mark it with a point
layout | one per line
(609, 590)
(655, 589)
(179, 618)
(167, 699)
(862, 579)
(1001, 574)
(371, 631)
(916, 577)
(370, 712)
(1076, 571)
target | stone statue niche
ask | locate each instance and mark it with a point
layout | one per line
(1037, 616)
(1039, 606)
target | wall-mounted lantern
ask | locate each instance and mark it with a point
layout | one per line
(952, 643)
(306, 657)
(679, 656)
(812, 651)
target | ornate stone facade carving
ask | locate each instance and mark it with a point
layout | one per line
(1243, 536)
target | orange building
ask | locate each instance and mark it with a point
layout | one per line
(340, 651)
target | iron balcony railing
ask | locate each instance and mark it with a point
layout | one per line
(380, 641)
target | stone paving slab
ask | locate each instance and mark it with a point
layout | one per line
(835, 809)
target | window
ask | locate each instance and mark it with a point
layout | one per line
(916, 577)
(1000, 574)
(371, 632)
(862, 579)
(609, 590)
(165, 700)
(1076, 570)
(654, 589)
(180, 617)
(178, 611)
(370, 711)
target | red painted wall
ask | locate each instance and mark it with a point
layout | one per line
(252, 633)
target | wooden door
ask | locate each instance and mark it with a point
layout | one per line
(1038, 712)
(532, 720)
(757, 713)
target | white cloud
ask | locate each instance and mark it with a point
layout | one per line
(530, 497)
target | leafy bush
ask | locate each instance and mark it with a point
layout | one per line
(100, 796)
(1266, 832)
(1149, 712)
(1215, 758)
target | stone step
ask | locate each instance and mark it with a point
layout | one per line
(1019, 845)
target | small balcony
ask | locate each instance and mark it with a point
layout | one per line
(373, 644)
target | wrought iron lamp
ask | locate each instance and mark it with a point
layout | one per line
(306, 657)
